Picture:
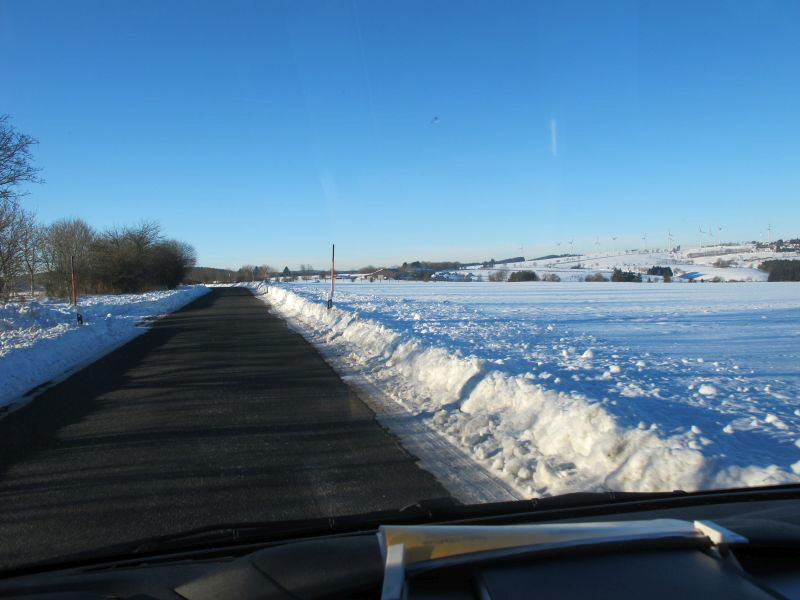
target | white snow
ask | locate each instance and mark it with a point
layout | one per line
(697, 263)
(41, 341)
(518, 376)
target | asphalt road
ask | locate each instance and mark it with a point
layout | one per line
(218, 414)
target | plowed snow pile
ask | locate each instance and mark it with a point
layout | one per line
(577, 387)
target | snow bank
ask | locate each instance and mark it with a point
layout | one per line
(41, 340)
(539, 412)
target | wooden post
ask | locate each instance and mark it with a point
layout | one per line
(333, 276)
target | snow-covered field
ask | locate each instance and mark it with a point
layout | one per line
(554, 388)
(41, 341)
(700, 263)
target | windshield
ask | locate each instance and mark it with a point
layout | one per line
(276, 261)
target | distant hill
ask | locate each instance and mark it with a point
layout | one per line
(723, 262)
(506, 261)
(550, 256)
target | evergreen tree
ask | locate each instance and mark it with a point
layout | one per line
(620, 275)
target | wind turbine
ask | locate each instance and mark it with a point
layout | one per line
(669, 241)
(596, 244)
(644, 239)
(571, 247)
(769, 234)
(700, 229)
(614, 239)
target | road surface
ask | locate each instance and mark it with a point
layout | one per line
(218, 414)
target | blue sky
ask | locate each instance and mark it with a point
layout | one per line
(263, 131)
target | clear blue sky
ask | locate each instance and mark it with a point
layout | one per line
(264, 131)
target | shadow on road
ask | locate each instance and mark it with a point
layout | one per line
(219, 413)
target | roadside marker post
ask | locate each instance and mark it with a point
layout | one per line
(333, 276)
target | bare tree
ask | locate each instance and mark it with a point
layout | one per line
(64, 239)
(15, 169)
(168, 263)
(305, 271)
(11, 218)
(132, 259)
(20, 248)
(15, 160)
(31, 247)
(246, 273)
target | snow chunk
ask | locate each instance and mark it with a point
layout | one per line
(775, 421)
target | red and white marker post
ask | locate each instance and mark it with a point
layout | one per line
(333, 276)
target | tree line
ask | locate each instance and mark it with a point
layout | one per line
(255, 272)
(781, 270)
(117, 260)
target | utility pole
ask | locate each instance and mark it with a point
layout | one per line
(333, 276)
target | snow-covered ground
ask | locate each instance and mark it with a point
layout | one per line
(40, 341)
(554, 388)
(702, 263)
